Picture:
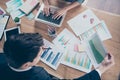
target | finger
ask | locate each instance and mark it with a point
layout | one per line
(54, 16)
(47, 12)
(59, 17)
(43, 11)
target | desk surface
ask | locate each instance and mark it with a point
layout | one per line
(112, 45)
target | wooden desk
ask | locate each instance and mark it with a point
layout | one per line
(112, 45)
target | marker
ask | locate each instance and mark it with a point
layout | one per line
(45, 52)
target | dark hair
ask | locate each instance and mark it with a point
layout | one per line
(22, 48)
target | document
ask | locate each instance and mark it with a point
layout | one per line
(75, 56)
(101, 29)
(13, 8)
(51, 55)
(63, 39)
(83, 22)
(95, 50)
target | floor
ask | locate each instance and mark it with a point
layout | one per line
(112, 6)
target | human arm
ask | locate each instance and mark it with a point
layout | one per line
(62, 11)
(46, 9)
(107, 63)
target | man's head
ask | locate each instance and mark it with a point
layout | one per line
(23, 50)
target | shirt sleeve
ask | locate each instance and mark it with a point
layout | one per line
(99, 72)
(80, 1)
(93, 75)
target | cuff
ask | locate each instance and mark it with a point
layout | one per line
(99, 72)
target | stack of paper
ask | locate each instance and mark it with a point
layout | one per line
(86, 24)
(70, 51)
(74, 55)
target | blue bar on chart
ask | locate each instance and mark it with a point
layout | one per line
(55, 60)
(49, 57)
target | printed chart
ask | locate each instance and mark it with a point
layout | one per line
(51, 55)
(63, 39)
(77, 60)
(13, 8)
(83, 22)
(101, 29)
(76, 57)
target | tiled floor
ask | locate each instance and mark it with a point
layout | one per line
(112, 6)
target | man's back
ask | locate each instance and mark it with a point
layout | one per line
(35, 73)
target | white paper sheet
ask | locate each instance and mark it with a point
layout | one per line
(101, 29)
(63, 39)
(51, 56)
(83, 22)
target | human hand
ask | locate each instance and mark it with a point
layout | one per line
(59, 13)
(107, 63)
(46, 10)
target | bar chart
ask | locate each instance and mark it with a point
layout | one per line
(51, 55)
(77, 60)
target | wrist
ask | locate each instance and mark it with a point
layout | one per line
(66, 9)
(99, 72)
(46, 2)
(101, 69)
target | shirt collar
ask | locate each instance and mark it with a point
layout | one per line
(19, 70)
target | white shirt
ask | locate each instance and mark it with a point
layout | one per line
(19, 70)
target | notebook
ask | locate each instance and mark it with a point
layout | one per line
(48, 19)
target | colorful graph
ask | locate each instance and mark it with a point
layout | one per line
(78, 47)
(101, 29)
(76, 60)
(99, 58)
(51, 56)
(63, 39)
